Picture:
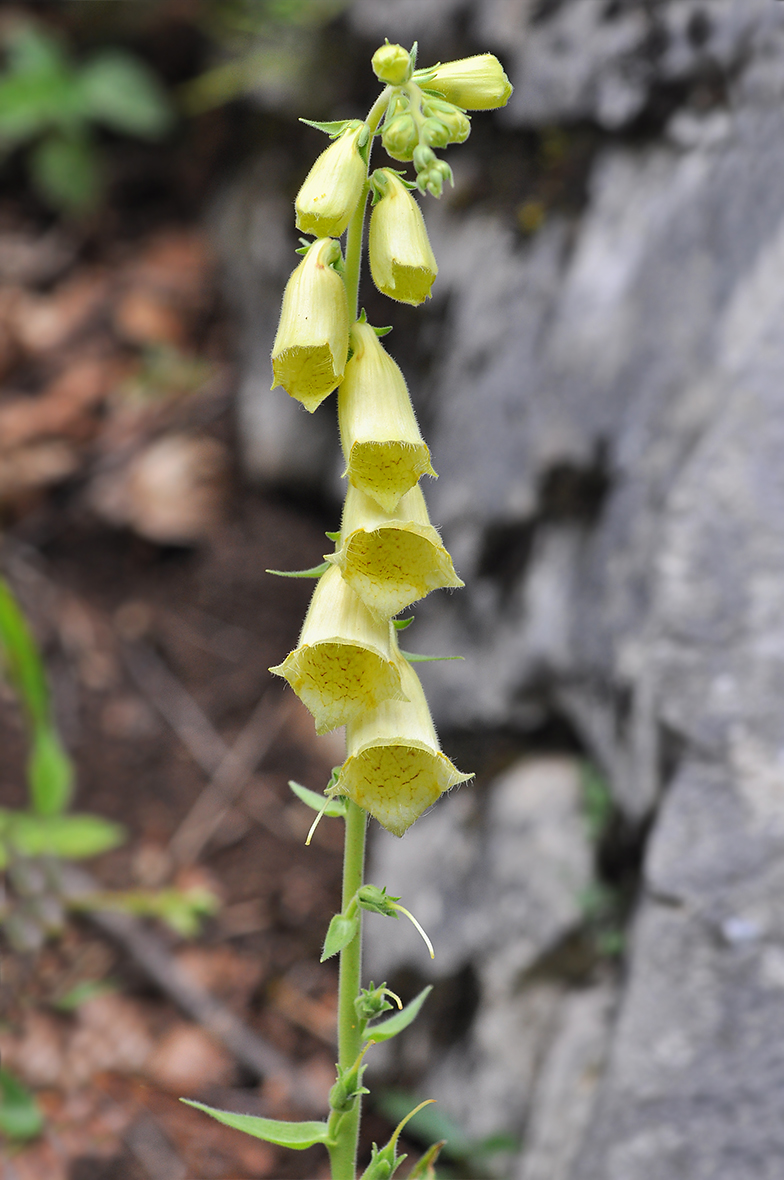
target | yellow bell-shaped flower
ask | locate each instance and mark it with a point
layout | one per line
(384, 450)
(473, 83)
(311, 345)
(394, 766)
(391, 559)
(345, 664)
(402, 262)
(333, 187)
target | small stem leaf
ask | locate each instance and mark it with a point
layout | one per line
(72, 837)
(331, 129)
(335, 808)
(335, 537)
(386, 1029)
(414, 657)
(297, 1136)
(314, 572)
(425, 1168)
(401, 624)
(342, 930)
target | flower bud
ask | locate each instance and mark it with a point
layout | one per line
(384, 450)
(402, 262)
(400, 136)
(344, 664)
(473, 83)
(311, 345)
(434, 133)
(392, 64)
(456, 121)
(391, 560)
(333, 187)
(394, 767)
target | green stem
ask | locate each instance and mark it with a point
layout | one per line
(346, 1127)
(356, 227)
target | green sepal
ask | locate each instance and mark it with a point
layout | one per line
(342, 930)
(414, 657)
(334, 537)
(401, 624)
(377, 901)
(383, 1164)
(425, 1167)
(372, 1002)
(314, 572)
(20, 1114)
(386, 1029)
(413, 55)
(297, 1136)
(72, 837)
(347, 1088)
(333, 130)
(335, 807)
(382, 331)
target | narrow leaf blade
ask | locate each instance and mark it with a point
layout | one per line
(297, 1136)
(314, 572)
(386, 1029)
(335, 808)
(331, 129)
(20, 1115)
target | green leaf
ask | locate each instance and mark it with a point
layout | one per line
(82, 992)
(335, 808)
(20, 1115)
(314, 572)
(21, 658)
(49, 773)
(69, 836)
(386, 1029)
(118, 90)
(340, 933)
(401, 624)
(425, 1168)
(66, 172)
(414, 658)
(297, 1136)
(331, 129)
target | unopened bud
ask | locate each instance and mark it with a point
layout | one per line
(434, 133)
(473, 83)
(311, 345)
(457, 123)
(392, 64)
(402, 262)
(400, 137)
(333, 187)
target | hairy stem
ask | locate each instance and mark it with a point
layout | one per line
(356, 227)
(346, 1127)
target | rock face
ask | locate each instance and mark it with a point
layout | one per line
(605, 408)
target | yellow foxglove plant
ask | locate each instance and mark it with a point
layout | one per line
(347, 667)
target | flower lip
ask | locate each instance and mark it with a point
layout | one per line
(391, 561)
(402, 262)
(345, 662)
(331, 190)
(311, 343)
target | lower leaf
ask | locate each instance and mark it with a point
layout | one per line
(297, 1136)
